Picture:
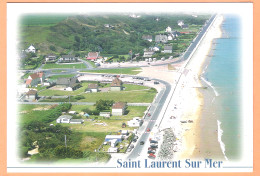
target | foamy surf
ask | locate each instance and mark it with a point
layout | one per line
(222, 145)
(210, 84)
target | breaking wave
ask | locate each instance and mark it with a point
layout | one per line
(210, 84)
(222, 145)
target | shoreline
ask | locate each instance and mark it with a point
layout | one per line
(193, 143)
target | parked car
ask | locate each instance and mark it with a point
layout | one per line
(151, 156)
(153, 141)
(153, 147)
(151, 151)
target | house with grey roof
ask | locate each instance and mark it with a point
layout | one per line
(64, 119)
(50, 58)
(69, 84)
(161, 38)
(68, 58)
(167, 49)
(148, 38)
(148, 53)
(92, 88)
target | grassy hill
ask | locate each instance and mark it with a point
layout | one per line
(83, 33)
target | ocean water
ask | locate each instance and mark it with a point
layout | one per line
(223, 76)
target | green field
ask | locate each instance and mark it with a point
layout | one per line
(72, 66)
(42, 20)
(129, 71)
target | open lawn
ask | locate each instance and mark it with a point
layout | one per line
(129, 71)
(49, 92)
(113, 124)
(132, 94)
(72, 66)
(145, 96)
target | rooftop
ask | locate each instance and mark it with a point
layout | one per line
(119, 105)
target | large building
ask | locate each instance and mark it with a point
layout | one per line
(35, 79)
(118, 108)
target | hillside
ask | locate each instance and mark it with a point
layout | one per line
(84, 33)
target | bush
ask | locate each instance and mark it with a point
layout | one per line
(79, 97)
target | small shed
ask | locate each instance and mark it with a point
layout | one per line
(31, 95)
(76, 121)
(105, 114)
(113, 150)
(111, 137)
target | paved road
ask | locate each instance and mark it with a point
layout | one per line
(155, 110)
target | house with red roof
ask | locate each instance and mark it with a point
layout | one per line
(93, 56)
(35, 79)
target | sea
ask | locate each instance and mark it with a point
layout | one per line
(222, 76)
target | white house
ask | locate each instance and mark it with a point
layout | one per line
(50, 58)
(170, 37)
(118, 109)
(113, 142)
(112, 150)
(180, 22)
(168, 29)
(31, 49)
(148, 53)
(135, 122)
(64, 119)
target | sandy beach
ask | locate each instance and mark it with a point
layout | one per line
(193, 144)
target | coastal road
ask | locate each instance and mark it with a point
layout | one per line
(156, 107)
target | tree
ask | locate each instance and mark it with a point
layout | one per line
(52, 48)
(104, 104)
